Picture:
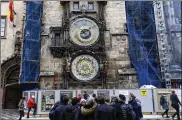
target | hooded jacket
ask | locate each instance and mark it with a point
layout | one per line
(31, 103)
(87, 112)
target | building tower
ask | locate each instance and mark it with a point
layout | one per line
(81, 45)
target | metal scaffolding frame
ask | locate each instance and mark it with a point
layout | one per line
(31, 44)
(142, 42)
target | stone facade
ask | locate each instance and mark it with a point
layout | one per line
(52, 17)
(117, 54)
(8, 42)
(116, 45)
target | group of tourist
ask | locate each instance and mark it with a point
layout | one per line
(85, 107)
(96, 108)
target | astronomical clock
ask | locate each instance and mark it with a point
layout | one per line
(84, 32)
(83, 45)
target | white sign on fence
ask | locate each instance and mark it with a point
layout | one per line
(123, 92)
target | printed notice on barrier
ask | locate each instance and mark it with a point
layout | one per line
(104, 93)
(123, 92)
(48, 100)
(143, 92)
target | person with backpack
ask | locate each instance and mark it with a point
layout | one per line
(165, 105)
(175, 104)
(136, 106)
(21, 107)
(104, 111)
(126, 110)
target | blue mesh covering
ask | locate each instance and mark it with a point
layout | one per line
(142, 42)
(31, 44)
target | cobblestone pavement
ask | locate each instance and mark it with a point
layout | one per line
(9, 114)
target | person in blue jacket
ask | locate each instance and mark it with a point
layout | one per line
(175, 104)
(136, 107)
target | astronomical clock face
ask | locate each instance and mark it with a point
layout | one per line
(84, 32)
(84, 67)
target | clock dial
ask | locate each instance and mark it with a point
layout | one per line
(84, 67)
(84, 32)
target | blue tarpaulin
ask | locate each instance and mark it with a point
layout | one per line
(31, 45)
(142, 42)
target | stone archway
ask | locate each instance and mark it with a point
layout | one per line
(10, 70)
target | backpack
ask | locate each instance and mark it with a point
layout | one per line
(127, 112)
(161, 100)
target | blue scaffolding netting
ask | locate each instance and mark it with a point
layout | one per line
(31, 44)
(142, 42)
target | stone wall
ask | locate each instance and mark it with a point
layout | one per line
(117, 53)
(52, 16)
(7, 43)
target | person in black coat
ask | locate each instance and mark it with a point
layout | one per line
(136, 107)
(57, 104)
(175, 104)
(72, 110)
(126, 110)
(104, 111)
(117, 107)
(59, 111)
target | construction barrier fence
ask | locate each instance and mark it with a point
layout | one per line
(149, 98)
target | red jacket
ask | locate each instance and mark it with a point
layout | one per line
(31, 103)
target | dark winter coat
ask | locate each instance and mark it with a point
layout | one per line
(164, 103)
(136, 108)
(59, 112)
(52, 111)
(117, 109)
(174, 101)
(56, 105)
(71, 113)
(87, 112)
(104, 112)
